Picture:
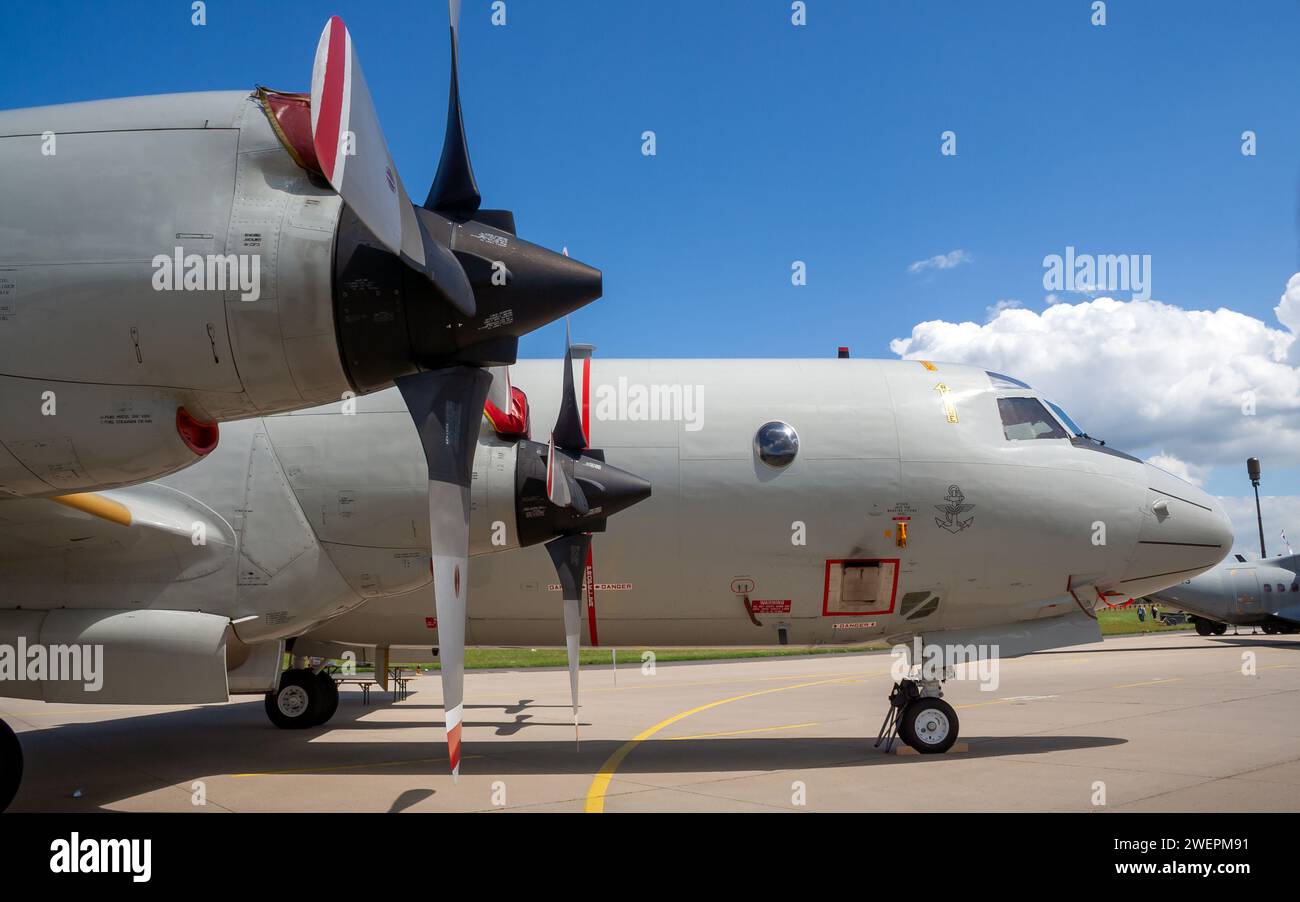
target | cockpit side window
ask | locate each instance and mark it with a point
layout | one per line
(1026, 418)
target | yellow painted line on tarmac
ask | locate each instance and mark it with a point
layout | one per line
(322, 770)
(652, 683)
(600, 783)
(1148, 683)
(793, 726)
(996, 701)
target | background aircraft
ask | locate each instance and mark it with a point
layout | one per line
(793, 502)
(1240, 592)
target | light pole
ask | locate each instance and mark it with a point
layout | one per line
(1252, 470)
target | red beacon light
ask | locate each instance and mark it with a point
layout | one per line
(199, 437)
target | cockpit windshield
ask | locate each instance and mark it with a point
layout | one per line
(1027, 418)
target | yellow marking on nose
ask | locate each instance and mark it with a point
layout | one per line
(793, 726)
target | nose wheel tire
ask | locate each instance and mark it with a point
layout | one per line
(929, 725)
(11, 765)
(300, 701)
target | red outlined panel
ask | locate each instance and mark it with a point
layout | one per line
(826, 587)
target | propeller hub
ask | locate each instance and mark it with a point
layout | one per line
(394, 320)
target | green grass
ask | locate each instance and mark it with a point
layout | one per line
(1116, 622)
(514, 658)
(1124, 621)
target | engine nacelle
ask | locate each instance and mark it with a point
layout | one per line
(160, 253)
(109, 657)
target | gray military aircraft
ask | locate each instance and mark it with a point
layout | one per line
(801, 502)
(1240, 592)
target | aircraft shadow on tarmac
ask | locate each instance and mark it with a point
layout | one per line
(1209, 643)
(116, 760)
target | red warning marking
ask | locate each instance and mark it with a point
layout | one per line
(586, 399)
(591, 600)
(453, 746)
(770, 606)
(431, 622)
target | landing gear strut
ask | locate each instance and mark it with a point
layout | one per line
(305, 699)
(11, 765)
(920, 717)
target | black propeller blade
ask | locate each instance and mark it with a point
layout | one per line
(454, 191)
(569, 554)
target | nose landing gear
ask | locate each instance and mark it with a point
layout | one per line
(920, 717)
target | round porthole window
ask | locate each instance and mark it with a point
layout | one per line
(776, 444)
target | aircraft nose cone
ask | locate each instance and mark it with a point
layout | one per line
(1184, 532)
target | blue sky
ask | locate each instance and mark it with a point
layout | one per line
(778, 143)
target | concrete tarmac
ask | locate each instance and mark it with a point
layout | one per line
(1162, 722)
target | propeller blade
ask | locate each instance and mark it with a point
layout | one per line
(569, 554)
(446, 406)
(569, 433)
(449, 278)
(351, 148)
(499, 393)
(454, 189)
(561, 488)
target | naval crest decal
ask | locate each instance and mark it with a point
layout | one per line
(952, 511)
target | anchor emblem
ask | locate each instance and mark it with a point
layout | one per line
(952, 511)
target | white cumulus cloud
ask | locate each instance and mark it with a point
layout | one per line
(1204, 387)
(1180, 468)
